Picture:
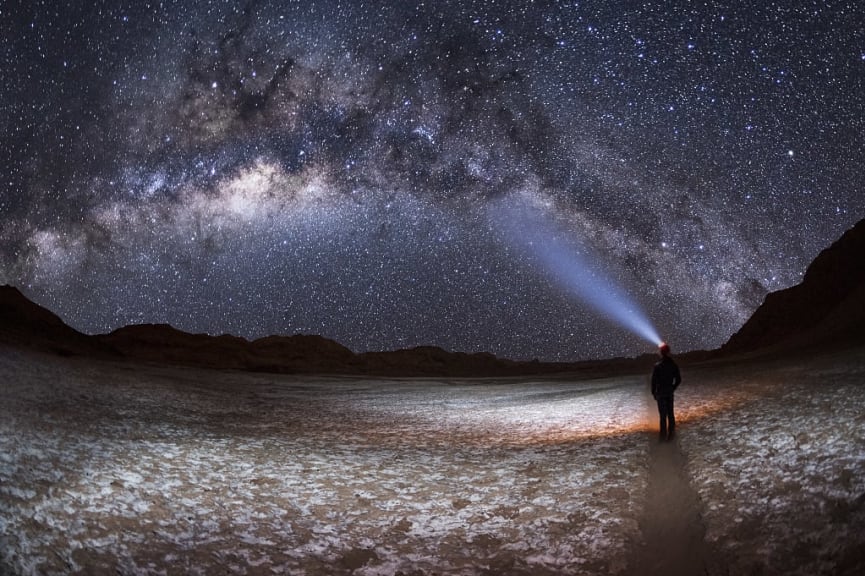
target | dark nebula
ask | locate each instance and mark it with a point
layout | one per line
(329, 167)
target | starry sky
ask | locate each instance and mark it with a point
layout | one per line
(339, 167)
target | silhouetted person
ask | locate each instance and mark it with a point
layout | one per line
(665, 379)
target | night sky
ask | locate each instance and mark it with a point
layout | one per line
(340, 168)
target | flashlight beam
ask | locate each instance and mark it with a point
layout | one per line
(575, 268)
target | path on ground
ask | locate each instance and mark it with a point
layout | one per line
(672, 527)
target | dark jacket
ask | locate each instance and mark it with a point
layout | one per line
(665, 378)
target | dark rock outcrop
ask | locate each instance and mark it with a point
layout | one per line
(827, 309)
(25, 324)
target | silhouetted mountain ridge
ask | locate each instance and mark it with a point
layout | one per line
(826, 309)
(165, 344)
(26, 324)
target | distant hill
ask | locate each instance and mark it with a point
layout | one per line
(827, 309)
(25, 324)
(289, 354)
(28, 325)
(306, 354)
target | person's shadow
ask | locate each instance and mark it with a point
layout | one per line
(673, 541)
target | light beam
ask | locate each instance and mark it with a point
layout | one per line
(573, 265)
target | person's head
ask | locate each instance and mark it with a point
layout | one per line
(664, 349)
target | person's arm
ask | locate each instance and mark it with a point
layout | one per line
(677, 377)
(655, 382)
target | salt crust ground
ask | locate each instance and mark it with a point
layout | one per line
(782, 476)
(114, 469)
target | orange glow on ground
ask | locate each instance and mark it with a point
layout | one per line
(563, 422)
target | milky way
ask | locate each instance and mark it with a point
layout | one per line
(330, 167)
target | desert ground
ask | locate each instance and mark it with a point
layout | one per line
(113, 468)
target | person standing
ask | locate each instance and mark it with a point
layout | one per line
(665, 379)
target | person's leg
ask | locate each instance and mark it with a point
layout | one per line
(662, 412)
(672, 416)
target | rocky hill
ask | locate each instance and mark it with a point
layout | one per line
(305, 354)
(288, 354)
(28, 325)
(25, 324)
(827, 309)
